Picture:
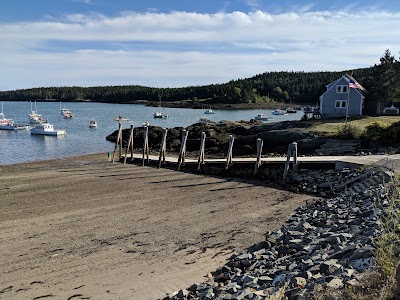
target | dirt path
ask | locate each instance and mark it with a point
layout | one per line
(88, 229)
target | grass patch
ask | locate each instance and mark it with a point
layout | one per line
(332, 126)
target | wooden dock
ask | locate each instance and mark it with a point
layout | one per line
(389, 162)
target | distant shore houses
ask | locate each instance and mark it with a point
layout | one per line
(343, 97)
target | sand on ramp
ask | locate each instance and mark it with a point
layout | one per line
(85, 228)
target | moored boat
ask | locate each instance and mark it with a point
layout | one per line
(14, 126)
(34, 117)
(47, 129)
(262, 117)
(279, 112)
(120, 119)
(66, 113)
(8, 124)
(210, 111)
(160, 115)
(4, 121)
(92, 123)
(291, 110)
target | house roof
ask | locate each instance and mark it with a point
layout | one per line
(346, 77)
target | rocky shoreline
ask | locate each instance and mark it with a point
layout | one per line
(276, 137)
(325, 245)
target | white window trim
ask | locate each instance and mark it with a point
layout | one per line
(342, 89)
(340, 102)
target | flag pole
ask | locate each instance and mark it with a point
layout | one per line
(347, 104)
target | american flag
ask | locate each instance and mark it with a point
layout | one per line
(355, 85)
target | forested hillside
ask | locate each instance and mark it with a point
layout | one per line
(297, 87)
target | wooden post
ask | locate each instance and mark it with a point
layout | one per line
(259, 151)
(294, 152)
(145, 144)
(182, 151)
(229, 156)
(201, 153)
(118, 142)
(289, 154)
(161, 159)
(130, 145)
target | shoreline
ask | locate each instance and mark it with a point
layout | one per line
(192, 104)
(83, 225)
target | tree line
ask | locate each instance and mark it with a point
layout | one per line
(382, 81)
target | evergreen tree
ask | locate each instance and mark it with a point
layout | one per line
(384, 84)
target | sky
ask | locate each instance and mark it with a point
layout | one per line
(167, 43)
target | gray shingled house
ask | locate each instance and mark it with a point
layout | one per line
(333, 103)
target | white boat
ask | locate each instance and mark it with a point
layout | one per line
(47, 129)
(121, 119)
(159, 114)
(8, 124)
(209, 111)
(15, 127)
(66, 113)
(291, 110)
(92, 123)
(34, 117)
(145, 123)
(262, 117)
(3, 120)
(279, 112)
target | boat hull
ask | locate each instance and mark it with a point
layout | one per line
(14, 127)
(264, 119)
(51, 133)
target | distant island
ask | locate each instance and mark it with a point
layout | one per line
(266, 90)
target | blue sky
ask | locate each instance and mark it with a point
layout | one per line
(162, 43)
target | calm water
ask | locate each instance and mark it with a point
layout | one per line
(21, 146)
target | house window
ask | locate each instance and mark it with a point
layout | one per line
(340, 89)
(340, 103)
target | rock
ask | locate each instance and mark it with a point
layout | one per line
(327, 242)
(362, 264)
(335, 283)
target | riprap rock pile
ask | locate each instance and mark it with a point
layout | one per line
(327, 243)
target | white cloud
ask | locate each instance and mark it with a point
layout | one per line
(182, 48)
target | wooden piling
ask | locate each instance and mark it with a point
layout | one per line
(201, 152)
(145, 144)
(289, 154)
(294, 153)
(182, 151)
(259, 151)
(229, 155)
(118, 142)
(163, 148)
(130, 144)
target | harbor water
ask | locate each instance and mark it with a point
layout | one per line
(21, 146)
